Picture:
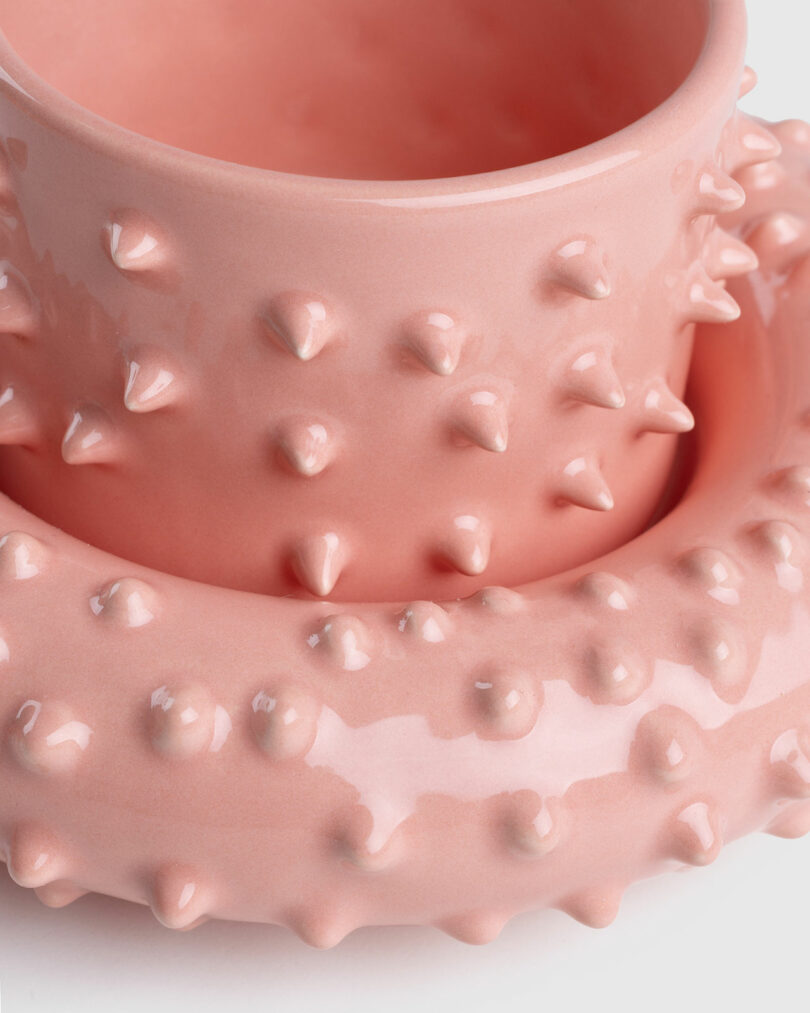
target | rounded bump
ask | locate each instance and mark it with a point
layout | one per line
(284, 722)
(134, 243)
(606, 590)
(345, 640)
(616, 675)
(21, 556)
(534, 825)
(127, 602)
(46, 738)
(182, 721)
(507, 701)
(425, 620)
(719, 654)
(501, 601)
(668, 745)
(792, 484)
(714, 572)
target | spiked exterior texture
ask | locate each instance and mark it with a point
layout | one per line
(316, 424)
(661, 656)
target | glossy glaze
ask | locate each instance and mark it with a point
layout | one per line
(220, 754)
(366, 391)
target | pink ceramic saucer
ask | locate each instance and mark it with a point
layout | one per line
(220, 754)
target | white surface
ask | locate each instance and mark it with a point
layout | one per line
(731, 937)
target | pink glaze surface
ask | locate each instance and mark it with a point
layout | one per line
(447, 760)
(215, 753)
(366, 391)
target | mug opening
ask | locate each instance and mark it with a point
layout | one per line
(364, 89)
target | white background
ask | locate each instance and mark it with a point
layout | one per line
(732, 937)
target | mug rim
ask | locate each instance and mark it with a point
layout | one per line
(720, 59)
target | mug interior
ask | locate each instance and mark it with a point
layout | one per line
(364, 89)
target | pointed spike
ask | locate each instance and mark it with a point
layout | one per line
(725, 256)
(437, 340)
(18, 425)
(303, 322)
(151, 381)
(319, 561)
(665, 413)
(17, 315)
(481, 417)
(706, 300)
(717, 193)
(592, 380)
(90, 438)
(579, 265)
(467, 545)
(307, 445)
(134, 244)
(583, 485)
(748, 82)
(755, 144)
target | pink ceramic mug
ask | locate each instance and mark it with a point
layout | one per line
(267, 379)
